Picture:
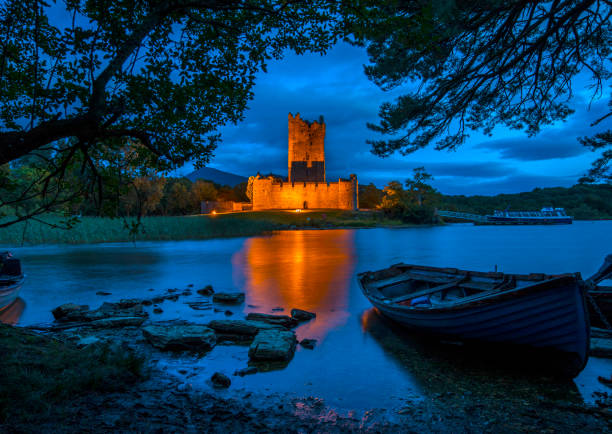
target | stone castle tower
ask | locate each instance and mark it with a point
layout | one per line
(307, 187)
(306, 150)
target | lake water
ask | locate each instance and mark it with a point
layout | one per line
(360, 361)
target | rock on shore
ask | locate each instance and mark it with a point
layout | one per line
(246, 371)
(281, 320)
(308, 343)
(207, 290)
(71, 312)
(239, 329)
(228, 297)
(220, 381)
(180, 337)
(119, 321)
(68, 310)
(273, 345)
(302, 315)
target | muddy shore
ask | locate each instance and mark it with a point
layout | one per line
(160, 405)
(492, 400)
(164, 403)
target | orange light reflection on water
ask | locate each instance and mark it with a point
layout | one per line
(308, 270)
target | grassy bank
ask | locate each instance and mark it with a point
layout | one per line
(41, 375)
(100, 230)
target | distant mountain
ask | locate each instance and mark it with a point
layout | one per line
(216, 176)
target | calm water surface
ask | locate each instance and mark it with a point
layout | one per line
(360, 361)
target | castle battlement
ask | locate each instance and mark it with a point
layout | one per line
(306, 186)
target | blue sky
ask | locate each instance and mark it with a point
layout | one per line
(335, 86)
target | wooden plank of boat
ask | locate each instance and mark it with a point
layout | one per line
(604, 272)
(425, 292)
(411, 276)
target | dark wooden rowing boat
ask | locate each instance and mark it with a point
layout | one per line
(11, 279)
(545, 312)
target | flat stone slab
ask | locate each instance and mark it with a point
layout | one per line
(228, 297)
(601, 347)
(200, 305)
(119, 321)
(74, 313)
(273, 345)
(241, 327)
(282, 320)
(180, 337)
(126, 303)
(246, 371)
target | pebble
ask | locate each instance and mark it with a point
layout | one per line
(308, 343)
(220, 380)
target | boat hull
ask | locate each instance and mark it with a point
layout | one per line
(10, 292)
(494, 220)
(551, 316)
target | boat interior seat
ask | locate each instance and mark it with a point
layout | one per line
(439, 288)
(385, 283)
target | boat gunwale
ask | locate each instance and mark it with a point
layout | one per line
(544, 282)
(6, 283)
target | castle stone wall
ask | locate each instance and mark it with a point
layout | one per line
(270, 193)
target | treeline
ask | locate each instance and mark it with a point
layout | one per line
(583, 201)
(117, 188)
(169, 196)
(130, 195)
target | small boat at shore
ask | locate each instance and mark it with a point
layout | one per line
(11, 279)
(535, 311)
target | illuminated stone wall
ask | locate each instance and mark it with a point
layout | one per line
(306, 159)
(270, 193)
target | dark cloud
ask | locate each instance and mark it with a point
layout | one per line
(560, 142)
(483, 170)
(546, 147)
(398, 167)
(510, 184)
